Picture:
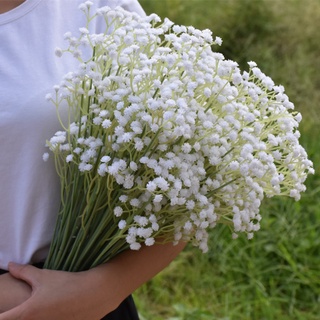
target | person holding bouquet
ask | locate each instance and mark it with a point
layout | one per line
(30, 189)
(155, 139)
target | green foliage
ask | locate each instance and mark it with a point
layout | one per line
(276, 275)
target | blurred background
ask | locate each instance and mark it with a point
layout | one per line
(276, 275)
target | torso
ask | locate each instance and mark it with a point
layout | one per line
(29, 187)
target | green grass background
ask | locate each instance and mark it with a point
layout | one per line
(277, 274)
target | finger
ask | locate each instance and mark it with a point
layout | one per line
(25, 272)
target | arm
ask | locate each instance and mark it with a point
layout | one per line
(12, 292)
(90, 294)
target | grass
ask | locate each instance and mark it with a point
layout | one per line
(276, 275)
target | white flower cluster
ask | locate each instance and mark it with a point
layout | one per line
(180, 136)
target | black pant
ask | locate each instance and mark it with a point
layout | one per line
(126, 310)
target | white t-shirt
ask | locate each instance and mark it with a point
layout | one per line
(29, 187)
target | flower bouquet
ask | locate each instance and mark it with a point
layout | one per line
(166, 140)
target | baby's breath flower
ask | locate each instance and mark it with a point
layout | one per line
(85, 6)
(149, 242)
(135, 246)
(172, 139)
(218, 41)
(69, 158)
(135, 202)
(45, 156)
(122, 224)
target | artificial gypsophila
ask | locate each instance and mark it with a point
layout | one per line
(169, 139)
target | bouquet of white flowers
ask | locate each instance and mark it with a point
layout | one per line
(167, 139)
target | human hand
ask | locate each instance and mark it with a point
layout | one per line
(12, 292)
(90, 294)
(59, 295)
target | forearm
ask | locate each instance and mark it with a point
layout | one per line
(12, 292)
(89, 294)
(130, 269)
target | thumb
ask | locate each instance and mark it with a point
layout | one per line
(25, 272)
